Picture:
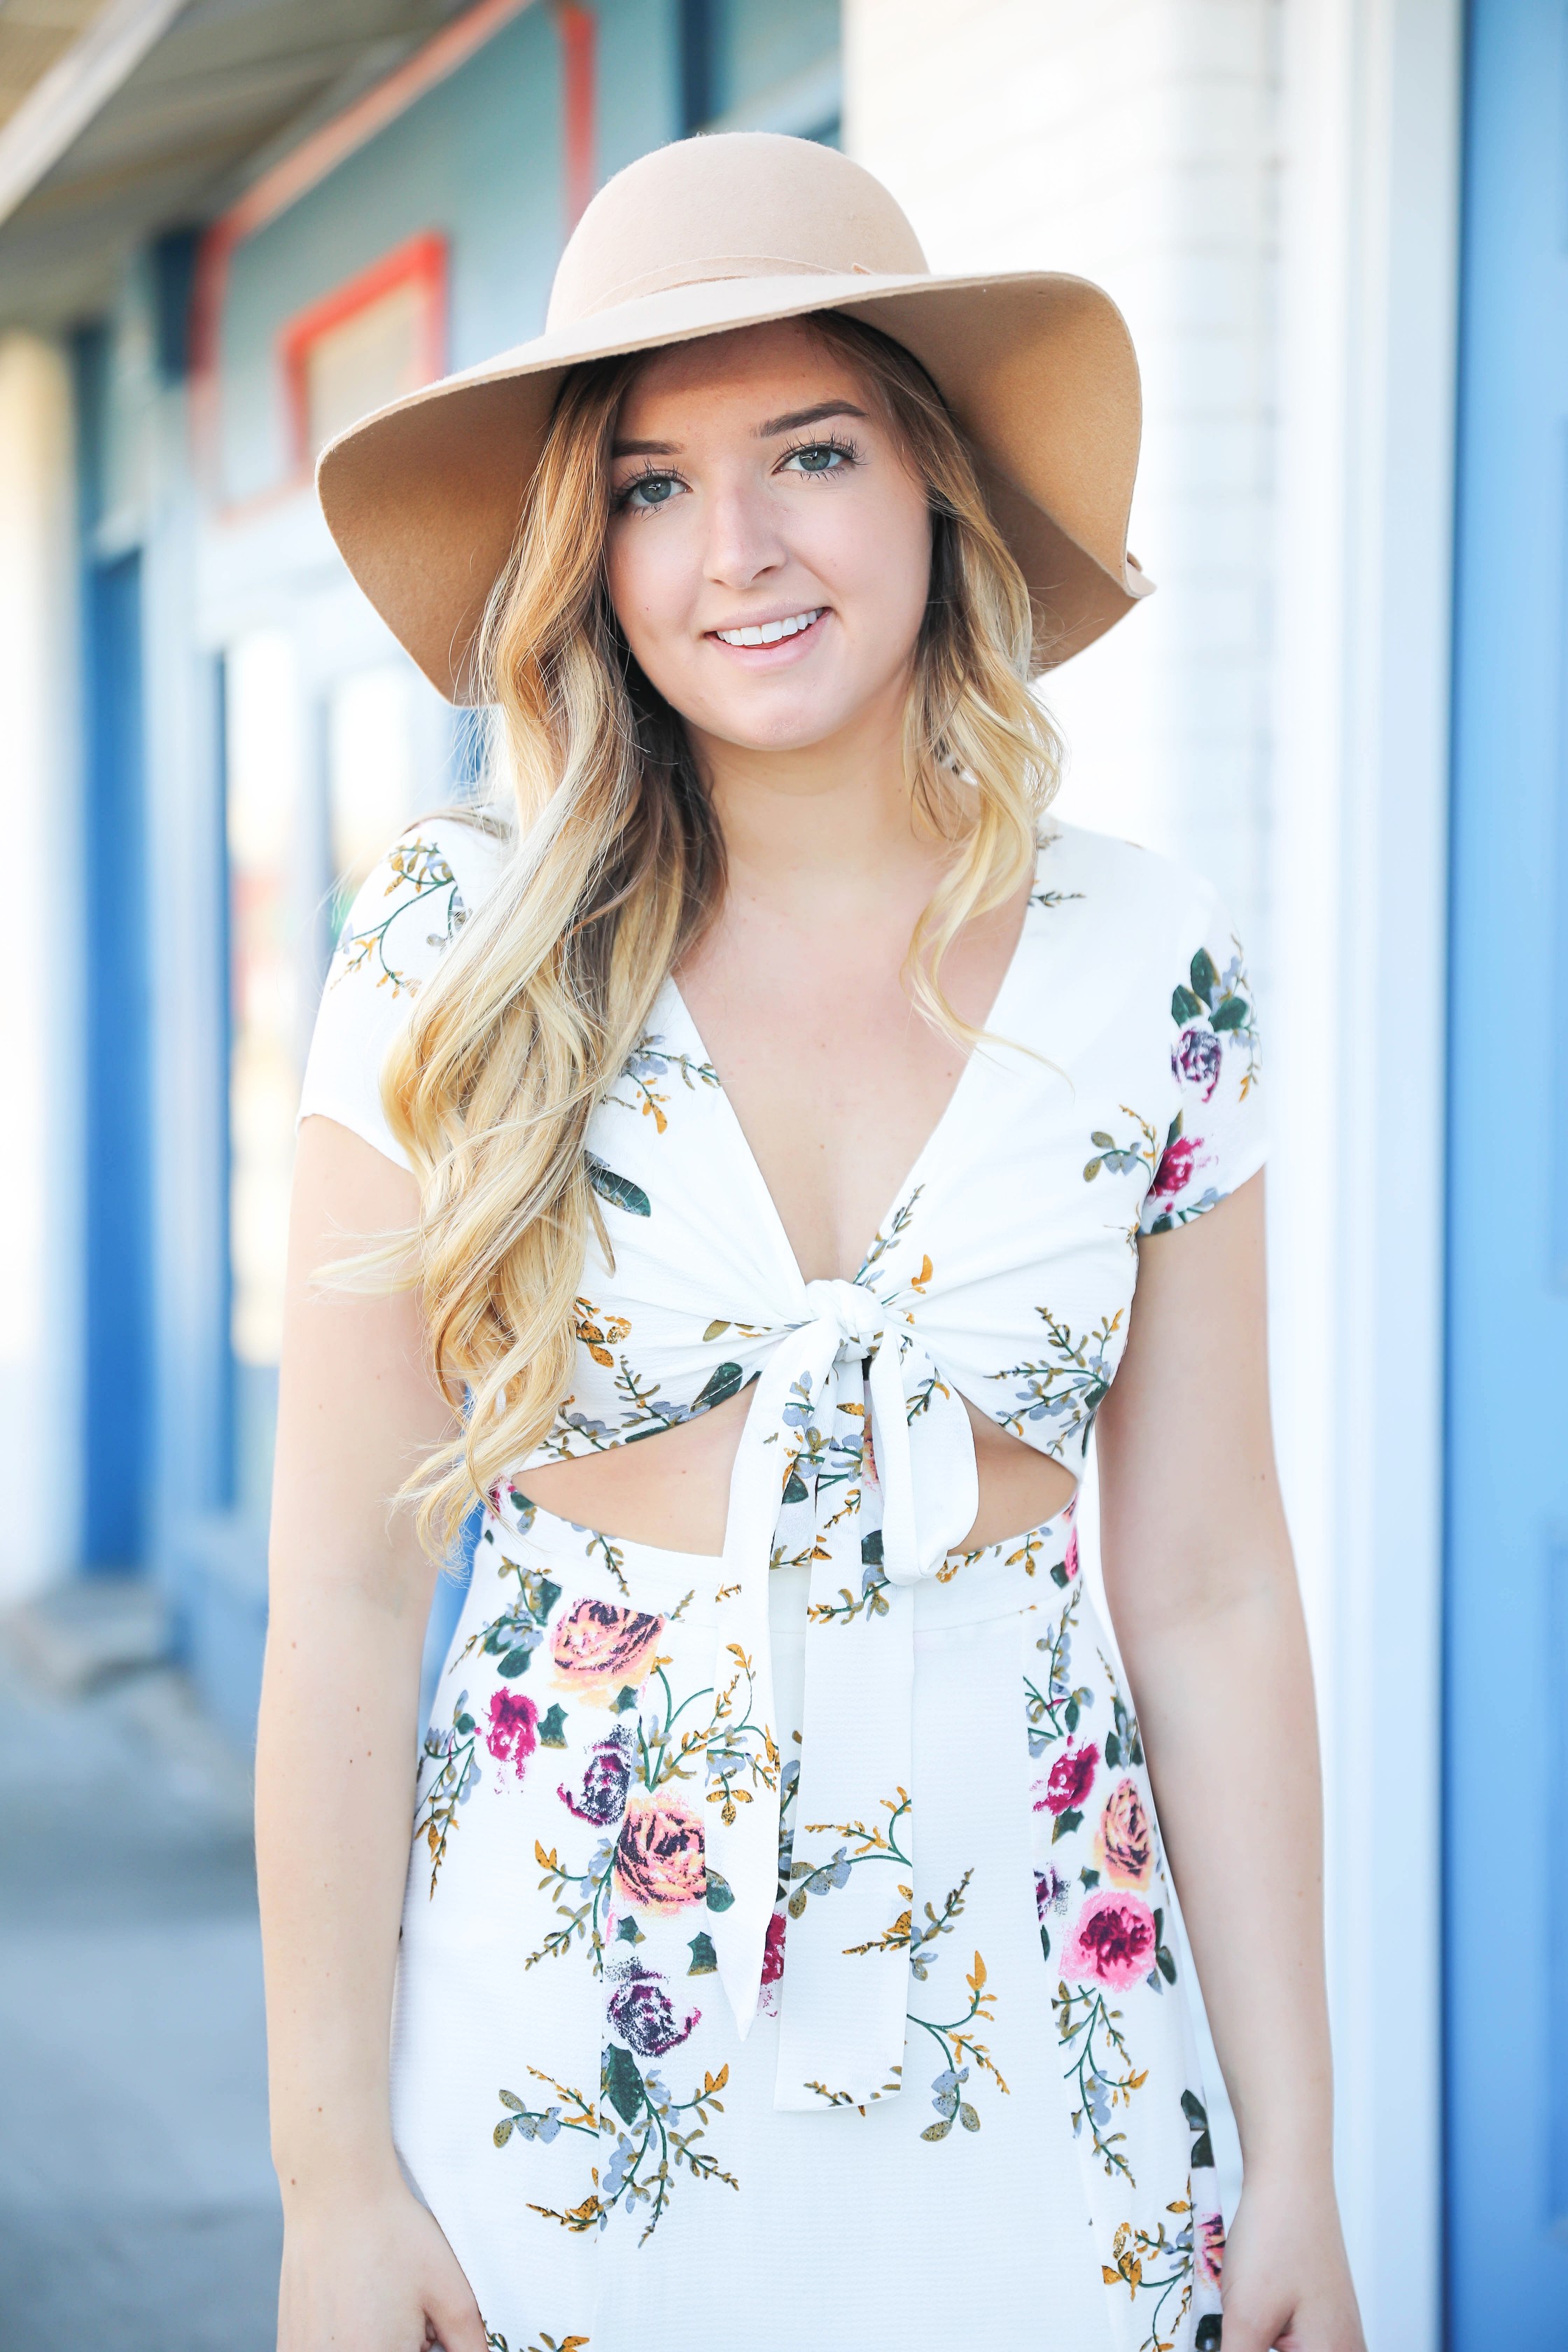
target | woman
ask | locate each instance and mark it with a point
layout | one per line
(786, 1953)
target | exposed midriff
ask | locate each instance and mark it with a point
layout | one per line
(672, 1490)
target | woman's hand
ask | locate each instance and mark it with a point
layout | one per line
(1286, 2283)
(372, 2274)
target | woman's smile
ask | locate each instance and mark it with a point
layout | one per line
(771, 644)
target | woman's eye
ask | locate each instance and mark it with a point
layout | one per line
(649, 490)
(822, 457)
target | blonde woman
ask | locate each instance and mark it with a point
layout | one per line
(732, 1185)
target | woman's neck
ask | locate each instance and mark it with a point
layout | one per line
(832, 816)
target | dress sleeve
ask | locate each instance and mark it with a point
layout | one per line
(1215, 1138)
(406, 914)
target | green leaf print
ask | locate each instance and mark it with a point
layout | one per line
(1205, 976)
(1197, 2118)
(720, 1894)
(1230, 1012)
(553, 1727)
(619, 1191)
(723, 1381)
(623, 2084)
(704, 1958)
(1184, 1007)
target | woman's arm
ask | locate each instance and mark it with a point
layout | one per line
(364, 2264)
(1202, 1592)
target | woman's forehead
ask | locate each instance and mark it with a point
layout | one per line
(777, 366)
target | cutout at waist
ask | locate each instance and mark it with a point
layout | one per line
(672, 1490)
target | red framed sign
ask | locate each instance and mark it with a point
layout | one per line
(376, 336)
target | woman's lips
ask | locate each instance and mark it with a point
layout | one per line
(781, 651)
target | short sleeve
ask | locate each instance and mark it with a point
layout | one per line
(404, 919)
(1216, 1137)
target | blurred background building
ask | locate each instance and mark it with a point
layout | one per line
(1338, 230)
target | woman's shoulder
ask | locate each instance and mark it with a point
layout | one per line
(405, 914)
(417, 898)
(1121, 884)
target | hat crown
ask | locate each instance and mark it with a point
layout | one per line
(737, 204)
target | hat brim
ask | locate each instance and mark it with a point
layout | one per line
(423, 496)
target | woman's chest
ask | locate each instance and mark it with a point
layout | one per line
(836, 1081)
(1027, 1161)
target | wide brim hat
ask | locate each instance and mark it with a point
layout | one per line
(706, 236)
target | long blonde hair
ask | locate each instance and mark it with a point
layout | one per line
(620, 867)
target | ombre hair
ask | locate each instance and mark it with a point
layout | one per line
(617, 871)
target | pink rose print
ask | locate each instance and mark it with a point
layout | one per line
(1196, 1060)
(1175, 1169)
(1124, 1841)
(659, 1863)
(772, 1966)
(1114, 1941)
(1069, 1561)
(513, 1734)
(597, 1647)
(1209, 2247)
(1070, 1779)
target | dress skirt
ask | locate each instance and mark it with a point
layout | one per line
(571, 2094)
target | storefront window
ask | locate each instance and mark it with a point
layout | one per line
(373, 764)
(271, 961)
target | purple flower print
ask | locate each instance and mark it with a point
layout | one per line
(1051, 1891)
(643, 2016)
(1210, 2247)
(1196, 1059)
(607, 1776)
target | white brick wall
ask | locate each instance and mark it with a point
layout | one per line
(1130, 140)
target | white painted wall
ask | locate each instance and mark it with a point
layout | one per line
(1268, 189)
(40, 1305)
(1368, 302)
(1131, 142)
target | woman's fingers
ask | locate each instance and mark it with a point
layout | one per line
(454, 2323)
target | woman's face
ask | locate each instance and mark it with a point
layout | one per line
(754, 486)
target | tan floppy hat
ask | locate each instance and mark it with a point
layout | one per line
(710, 234)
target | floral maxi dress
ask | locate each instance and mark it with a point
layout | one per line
(786, 1953)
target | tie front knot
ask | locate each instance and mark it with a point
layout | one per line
(855, 1312)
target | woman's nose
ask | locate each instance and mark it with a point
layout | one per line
(744, 538)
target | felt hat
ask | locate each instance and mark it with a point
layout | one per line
(423, 496)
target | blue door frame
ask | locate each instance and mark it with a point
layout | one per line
(118, 1383)
(1507, 1612)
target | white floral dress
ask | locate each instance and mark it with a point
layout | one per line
(785, 1952)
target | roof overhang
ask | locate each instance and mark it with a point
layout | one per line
(159, 115)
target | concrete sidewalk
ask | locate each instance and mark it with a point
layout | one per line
(138, 2209)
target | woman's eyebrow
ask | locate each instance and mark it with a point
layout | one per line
(799, 416)
(644, 448)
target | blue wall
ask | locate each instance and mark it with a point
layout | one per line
(1506, 1742)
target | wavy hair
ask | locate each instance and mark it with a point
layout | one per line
(618, 867)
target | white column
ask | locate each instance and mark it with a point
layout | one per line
(40, 1249)
(1368, 309)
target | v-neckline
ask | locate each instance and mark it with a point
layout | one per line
(917, 1171)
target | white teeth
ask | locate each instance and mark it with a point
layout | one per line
(770, 632)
